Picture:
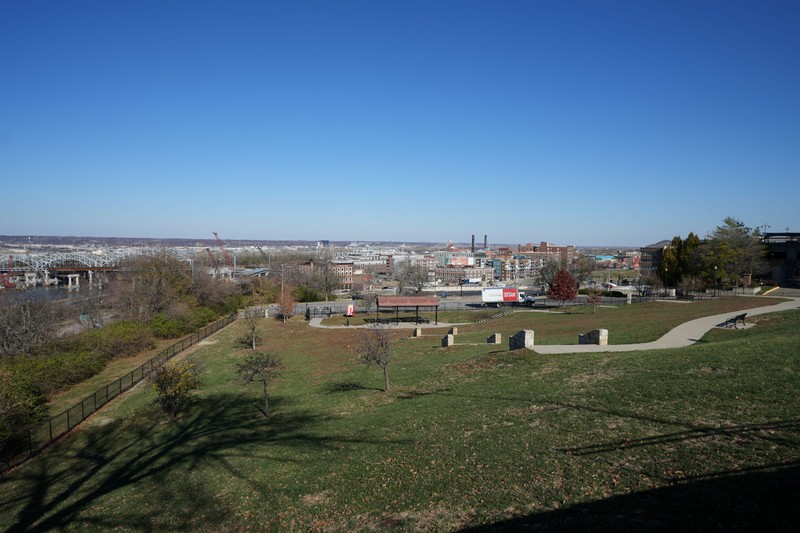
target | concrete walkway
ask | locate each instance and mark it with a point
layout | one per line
(685, 334)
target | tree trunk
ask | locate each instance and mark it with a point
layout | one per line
(266, 401)
(386, 379)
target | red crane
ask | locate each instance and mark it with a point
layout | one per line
(214, 262)
(225, 254)
(6, 279)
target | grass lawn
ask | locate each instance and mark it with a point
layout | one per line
(626, 323)
(705, 437)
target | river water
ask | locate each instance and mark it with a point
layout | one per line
(53, 294)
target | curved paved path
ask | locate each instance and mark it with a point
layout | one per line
(685, 334)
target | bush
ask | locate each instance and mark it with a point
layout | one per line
(173, 384)
(21, 406)
(168, 327)
(307, 294)
(201, 316)
(58, 371)
(120, 339)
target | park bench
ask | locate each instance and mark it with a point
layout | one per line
(734, 320)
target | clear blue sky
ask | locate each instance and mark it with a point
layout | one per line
(577, 122)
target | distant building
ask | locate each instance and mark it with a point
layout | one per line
(342, 270)
(782, 251)
(651, 256)
(453, 275)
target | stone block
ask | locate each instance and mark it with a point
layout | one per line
(521, 339)
(596, 336)
(453, 331)
(417, 332)
(448, 340)
(495, 338)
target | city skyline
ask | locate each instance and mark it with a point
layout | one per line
(577, 123)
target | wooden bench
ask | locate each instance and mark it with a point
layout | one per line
(734, 320)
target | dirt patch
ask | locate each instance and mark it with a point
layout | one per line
(99, 420)
(592, 377)
(319, 498)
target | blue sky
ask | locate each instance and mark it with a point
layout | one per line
(575, 122)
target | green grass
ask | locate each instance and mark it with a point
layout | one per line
(688, 438)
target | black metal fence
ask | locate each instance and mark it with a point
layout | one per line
(44, 434)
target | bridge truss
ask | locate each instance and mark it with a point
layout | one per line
(79, 260)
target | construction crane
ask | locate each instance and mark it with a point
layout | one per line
(225, 254)
(6, 279)
(265, 256)
(214, 262)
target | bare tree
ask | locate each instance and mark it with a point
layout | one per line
(369, 300)
(260, 368)
(252, 320)
(594, 297)
(26, 322)
(150, 285)
(374, 348)
(548, 272)
(410, 275)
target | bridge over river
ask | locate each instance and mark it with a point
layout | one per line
(36, 268)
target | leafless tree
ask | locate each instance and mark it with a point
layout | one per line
(548, 272)
(374, 348)
(594, 297)
(411, 275)
(149, 285)
(252, 321)
(260, 368)
(26, 322)
(581, 269)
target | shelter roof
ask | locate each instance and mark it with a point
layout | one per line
(408, 301)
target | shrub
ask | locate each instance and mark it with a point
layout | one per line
(168, 327)
(307, 294)
(173, 384)
(120, 339)
(58, 371)
(200, 316)
(21, 405)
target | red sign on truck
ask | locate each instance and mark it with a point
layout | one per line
(510, 295)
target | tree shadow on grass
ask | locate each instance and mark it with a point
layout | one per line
(761, 499)
(346, 386)
(80, 481)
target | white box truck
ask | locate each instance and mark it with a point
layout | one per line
(500, 296)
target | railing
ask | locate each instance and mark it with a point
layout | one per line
(44, 434)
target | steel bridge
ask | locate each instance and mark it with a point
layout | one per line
(77, 261)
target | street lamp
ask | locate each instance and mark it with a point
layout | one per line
(666, 280)
(716, 282)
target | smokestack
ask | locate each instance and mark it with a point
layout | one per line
(485, 242)
(473, 243)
